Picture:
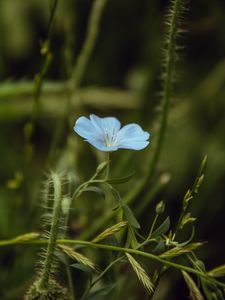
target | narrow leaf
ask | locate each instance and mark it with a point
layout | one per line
(162, 229)
(120, 180)
(102, 292)
(129, 216)
(82, 267)
(131, 238)
(115, 195)
(95, 189)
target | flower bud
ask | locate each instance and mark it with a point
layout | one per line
(160, 208)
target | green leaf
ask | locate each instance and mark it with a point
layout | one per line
(162, 229)
(120, 180)
(115, 195)
(82, 268)
(160, 247)
(129, 216)
(101, 293)
(131, 238)
(95, 189)
(211, 290)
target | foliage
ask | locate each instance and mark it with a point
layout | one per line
(112, 236)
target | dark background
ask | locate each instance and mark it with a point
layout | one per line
(127, 58)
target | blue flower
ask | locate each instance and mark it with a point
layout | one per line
(106, 134)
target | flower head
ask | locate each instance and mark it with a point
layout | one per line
(106, 134)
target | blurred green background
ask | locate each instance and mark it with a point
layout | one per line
(122, 79)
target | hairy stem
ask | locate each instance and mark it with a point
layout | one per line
(173, 27)
(49, 258)
(175, 13)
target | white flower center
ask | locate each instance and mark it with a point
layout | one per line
(110, 137)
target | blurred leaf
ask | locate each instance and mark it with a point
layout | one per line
(16, 99)
(160, 247)
(162, 229)
(102, 292)
(95, 189)
(16, 182)
(129, 216)
(120, 180)
(83, 268)
(116, 195)
(131, 239)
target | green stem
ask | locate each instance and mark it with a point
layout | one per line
(70, 281)
(100, 276)
(191, 193)
(43, 283)
(66, 213)
(99, 223)
(120, 249)
(108, 165)
(132, 251)
(170, 59)
(152, 227)
(88, 46)
(38, 82)
(84, 185)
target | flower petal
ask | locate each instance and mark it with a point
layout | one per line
(85, 128)
(100, 145)
(108, 125)
(132, 137)
(134, 145)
